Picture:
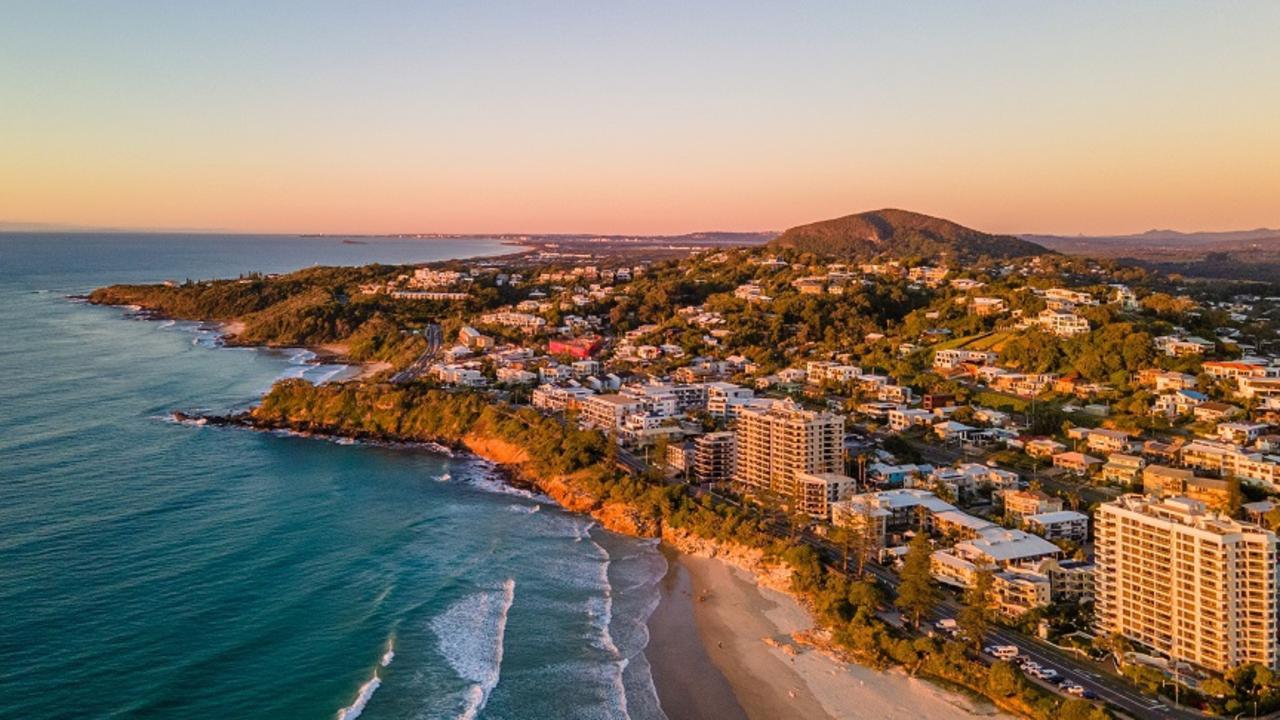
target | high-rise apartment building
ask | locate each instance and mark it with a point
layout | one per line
(1194, 585)
(775, 444)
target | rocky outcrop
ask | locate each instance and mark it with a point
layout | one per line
(620, 517)
(767, 571)
(495, 450)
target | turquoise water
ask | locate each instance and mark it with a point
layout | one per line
(155, 570)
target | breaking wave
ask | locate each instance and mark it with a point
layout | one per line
(363, 695)
(470, 635)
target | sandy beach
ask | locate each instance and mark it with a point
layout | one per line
(744, 633)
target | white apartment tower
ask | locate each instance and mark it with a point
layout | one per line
(778, 443)
(1196, 586)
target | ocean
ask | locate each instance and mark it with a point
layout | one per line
(150, 569)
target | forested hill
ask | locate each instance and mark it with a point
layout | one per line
(901, 234)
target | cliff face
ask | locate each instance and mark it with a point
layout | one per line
(620, 517)
(495, 450)
(528, 448)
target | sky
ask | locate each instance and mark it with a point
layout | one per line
(638, 117)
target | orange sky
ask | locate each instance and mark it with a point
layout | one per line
(334, 119)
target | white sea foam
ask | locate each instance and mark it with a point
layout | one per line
(352, 711)
(470, 635)
(600, 610)
(496, 485)
(444, 477)
(524, 509)
(438, 448)
(321, 374)
(390, 653)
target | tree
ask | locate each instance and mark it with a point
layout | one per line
(1004, 680)
(1077, 709)
(866, 594)
(1272, 518)
(974, 618)
(916, 593)
(611, 450)
(1216, 687)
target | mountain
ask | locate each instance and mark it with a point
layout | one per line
(1228, 255)
(901, 233)
(1159, 241)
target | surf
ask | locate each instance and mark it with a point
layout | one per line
(470, 637)
(365, 693)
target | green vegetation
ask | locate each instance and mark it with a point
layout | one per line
(917, 594)
(309, 308)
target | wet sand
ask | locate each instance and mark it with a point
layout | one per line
(745, 636)
(689, 685)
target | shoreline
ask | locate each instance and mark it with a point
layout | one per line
(721, 638)
(689, 685)
(746, 628)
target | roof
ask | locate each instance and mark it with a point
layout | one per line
(824, 478)
(1050, 518)
(1217, 407)
(1008, 545)
(1122, 459)
(1077, 457)
(1117, 434)
(905, 498)
(956, 517)
(616, 399)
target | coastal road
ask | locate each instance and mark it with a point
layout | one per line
(435, 338)
(1108, 687)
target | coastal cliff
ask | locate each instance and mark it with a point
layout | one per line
(575, 469)
(566, 464)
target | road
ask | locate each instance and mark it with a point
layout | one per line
(1106, 686)
(435, 338)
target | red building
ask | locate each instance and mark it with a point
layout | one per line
(937, 400)
(580, 348)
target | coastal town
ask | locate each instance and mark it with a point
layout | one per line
(640, 360)
(1135, 511)
(1061, 465)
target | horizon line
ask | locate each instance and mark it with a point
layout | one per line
(13, 227)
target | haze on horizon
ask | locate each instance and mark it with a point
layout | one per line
(644, 118)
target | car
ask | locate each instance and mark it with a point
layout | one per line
(1073, 689)
(1043, 673)
(1005, 652)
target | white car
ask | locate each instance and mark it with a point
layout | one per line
(1073, 689)
(1043, 673)
(1004, 652)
